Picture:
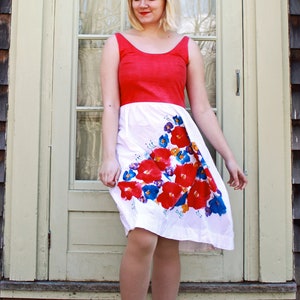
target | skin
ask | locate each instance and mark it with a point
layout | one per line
(145, 248)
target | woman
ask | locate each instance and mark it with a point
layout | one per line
(160, 172)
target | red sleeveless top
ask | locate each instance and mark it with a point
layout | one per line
(148, 77)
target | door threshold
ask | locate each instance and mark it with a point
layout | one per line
(112, 287)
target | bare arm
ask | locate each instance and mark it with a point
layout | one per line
(205, 117)
(110, 169)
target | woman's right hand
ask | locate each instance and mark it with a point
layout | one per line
(109, 172)
(238, 179)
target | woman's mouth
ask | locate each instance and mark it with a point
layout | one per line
(144, 13)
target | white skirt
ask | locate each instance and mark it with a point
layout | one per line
(169, 184)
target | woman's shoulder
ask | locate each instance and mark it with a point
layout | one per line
(111, 45)
(112, 40)
(195, 55)
(193, 46)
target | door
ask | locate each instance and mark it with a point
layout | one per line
(87, 239)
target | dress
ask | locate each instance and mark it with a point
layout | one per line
(169, 184)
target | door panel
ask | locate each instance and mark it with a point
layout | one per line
(87, 236)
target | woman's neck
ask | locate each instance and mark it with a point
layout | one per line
(152, 32)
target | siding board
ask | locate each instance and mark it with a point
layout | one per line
(3, 67)
(297, 269)
(296, 167)
(3, 102)
(296, 136)
(4, 31)
(295, 68)
(2, 188)
(294, 32)
(295, 72)
(295, 112)
(297, 236)
(294, 7)
(296, 201)
(5, 6)
(2, 142)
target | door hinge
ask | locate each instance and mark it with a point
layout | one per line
(49, 239)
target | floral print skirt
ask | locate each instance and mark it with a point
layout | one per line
(169, 183)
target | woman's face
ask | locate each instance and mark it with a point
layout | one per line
(148, 12)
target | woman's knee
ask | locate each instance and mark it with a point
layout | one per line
(142, 241)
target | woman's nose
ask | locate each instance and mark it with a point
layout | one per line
(144, 3)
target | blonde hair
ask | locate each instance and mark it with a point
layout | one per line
(167, 22)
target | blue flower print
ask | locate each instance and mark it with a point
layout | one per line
(168, 127)
(203, 162)
(183, 157)
(128, 175)
(217, 205)
(164, 141)
(182, 200)
(178, 120)
(201, 173)
(150, 191)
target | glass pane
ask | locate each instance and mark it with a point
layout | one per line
(88, 142)
(208, 50)
(88, 85)
(198, 17)
(99, 16)
(105, 17)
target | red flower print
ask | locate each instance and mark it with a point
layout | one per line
(130, 189)
(199, 194)
(180, 137)
(210, 180)
(162, 157)
(185, 174)
(170, 195)
(148, 171)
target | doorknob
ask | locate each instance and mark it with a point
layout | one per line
(238, 82)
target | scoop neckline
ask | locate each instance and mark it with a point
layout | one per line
(149, 53)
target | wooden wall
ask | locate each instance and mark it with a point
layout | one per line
(5, 16)
(295, 87)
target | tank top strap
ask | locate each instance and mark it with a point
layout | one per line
(182, 49)
(122, 42)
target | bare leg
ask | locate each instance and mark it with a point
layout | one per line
(136, 264)
(166, 270)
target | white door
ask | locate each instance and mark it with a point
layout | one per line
(87, 239)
